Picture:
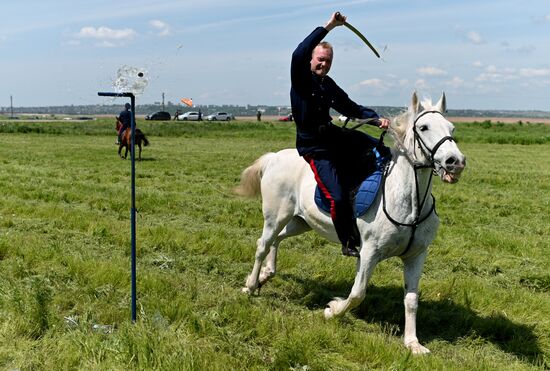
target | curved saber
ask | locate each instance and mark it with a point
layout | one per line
(356, 31)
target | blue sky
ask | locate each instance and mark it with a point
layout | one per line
(492, 54)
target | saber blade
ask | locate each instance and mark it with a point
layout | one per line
(356, 31)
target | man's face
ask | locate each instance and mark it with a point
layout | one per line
(321, 60)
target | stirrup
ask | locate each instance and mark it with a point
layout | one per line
(350, 250)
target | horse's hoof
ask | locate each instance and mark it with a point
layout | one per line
(417, 348)
(329, 314)
(334, 308)
(247, 291)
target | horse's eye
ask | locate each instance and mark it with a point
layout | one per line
(424, 128)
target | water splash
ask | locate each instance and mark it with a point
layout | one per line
(131, 80)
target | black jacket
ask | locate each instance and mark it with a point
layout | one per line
(126, 119)
(312, 97)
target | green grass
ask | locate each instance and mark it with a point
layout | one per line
(64, 258)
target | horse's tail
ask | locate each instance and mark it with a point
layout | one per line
(139, 134)
(145, 141)
(252, 176)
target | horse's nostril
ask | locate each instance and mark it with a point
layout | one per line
(450, 161)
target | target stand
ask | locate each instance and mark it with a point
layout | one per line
(133, 187)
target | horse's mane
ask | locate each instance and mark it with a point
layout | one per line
(403, 121)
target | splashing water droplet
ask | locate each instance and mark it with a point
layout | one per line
(130, 80)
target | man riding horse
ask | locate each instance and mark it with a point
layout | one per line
(123, 126)
(125, 118)
(330, 150)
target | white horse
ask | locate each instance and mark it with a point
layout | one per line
(401, 222)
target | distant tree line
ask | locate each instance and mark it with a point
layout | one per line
(248, 110)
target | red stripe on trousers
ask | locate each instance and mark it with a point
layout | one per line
(322, 187)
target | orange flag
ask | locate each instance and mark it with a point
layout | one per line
(187, 101)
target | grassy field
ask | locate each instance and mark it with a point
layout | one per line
(64, 259)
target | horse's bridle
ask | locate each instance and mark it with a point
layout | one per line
(430, 154)
(433, 164)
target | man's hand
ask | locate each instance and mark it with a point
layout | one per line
(383, 123)
(335, 20)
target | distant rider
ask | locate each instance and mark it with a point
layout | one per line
(125, 118)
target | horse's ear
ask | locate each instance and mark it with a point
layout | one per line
(415, 103)
(441, 106)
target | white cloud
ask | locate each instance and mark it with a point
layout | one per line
(534, 72)
(106, 37)
(455, 82)
(162, 27)
(106, 44)
(431, 71)
(475, 38)
(477, 64)
(494, 74)
(106, 33)
(421, 84)
(374, 83)
(469, 36)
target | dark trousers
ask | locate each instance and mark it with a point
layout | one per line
(338, 172)
(120, 131)
(338, 193)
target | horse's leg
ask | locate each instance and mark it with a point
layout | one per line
(267, 239)
(295, 227)
(412, 270)
(274, 221)
(365, 268)
(120, 150)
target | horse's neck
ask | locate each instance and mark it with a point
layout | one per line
(402, 195)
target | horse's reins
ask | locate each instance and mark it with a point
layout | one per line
(417, 166)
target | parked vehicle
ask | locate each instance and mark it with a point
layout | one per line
(287, 118)
(159, 116)
(219, 116)
(189, 116)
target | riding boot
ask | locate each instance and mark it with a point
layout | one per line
(350, 249)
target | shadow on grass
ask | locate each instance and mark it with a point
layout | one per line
(442, 320)
(143, 159)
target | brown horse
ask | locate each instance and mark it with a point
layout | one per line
(126, 140)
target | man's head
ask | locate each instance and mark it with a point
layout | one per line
(127, 106)
(321, 59)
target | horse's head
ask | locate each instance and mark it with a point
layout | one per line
(428, 136)
(118, 123)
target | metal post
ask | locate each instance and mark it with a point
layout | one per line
(133, 207)
(133, 210)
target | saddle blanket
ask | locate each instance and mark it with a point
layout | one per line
(363, 200)
(366, 193)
